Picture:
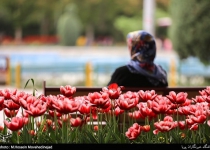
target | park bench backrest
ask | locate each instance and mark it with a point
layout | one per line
(81, 91)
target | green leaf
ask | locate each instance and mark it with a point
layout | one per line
(32, 80)
(89, 134)
(34, 89)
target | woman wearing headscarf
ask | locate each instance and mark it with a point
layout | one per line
(141, 71)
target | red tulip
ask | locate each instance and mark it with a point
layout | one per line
(113, 90)
(65, 118)
(1, 102)
(19, 95)
(24, 102)
(32, 132)
(11, 105)
(101, 100)
(49, 122)
(36, 108)
(207, 99)
(1, 128)
(85, 105)
(118, 111)
(186, 110)
(7, 93)
(183, 135)
(189, 121)
(84, 108)
(56, 113)
(43, 98)
(147, 95)
(136, 115)
(67, 90)
(146, 111)
(160, 105)
(193, 127)
(94, 112)
(75, 122)
(145, 128)
(19, 133)
(187, 102)
(95, 128)
(106, 110)
(198, 99)
(50, 99)
(66, 106)
(128, 100)
(199, 115)
(133, 132)
(10, 113)
(168, 118)
(199, 119)
(31, 99)
(205, 92)
(16, 123)
(182, 125)
(177, 98)
(165, 126)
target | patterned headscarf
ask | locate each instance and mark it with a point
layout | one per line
(142, 49)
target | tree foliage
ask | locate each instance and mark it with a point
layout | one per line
(69, 26)
(189, 31)
(99, 15)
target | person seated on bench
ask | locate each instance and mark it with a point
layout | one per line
(141, 71)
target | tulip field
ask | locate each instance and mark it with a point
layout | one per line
(131, 117)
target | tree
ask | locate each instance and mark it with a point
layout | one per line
(189, 30)
(19, 13)
(69, 26)
(98, 17)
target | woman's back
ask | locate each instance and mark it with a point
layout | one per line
(123, 77)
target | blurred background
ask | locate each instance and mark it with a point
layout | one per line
(81, 42)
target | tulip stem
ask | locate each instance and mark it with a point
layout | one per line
(124, 122)
(68, 127)
(64, 131)
(147, 120)
(56, 123)
(193, 135)
(17, 137)
(98, 126)
(177, 118)
(166, 136)
(113, 114)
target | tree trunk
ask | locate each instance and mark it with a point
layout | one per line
(18, 35)
(90, 35)
(44, 27)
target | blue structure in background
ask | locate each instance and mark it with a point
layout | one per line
(52, 62)
(193, 67)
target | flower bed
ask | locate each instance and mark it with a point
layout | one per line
(108, 116)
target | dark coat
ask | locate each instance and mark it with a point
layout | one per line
(123, 77)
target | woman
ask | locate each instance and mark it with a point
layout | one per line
(141, 70)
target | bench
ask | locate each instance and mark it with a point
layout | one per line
(81, 91)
